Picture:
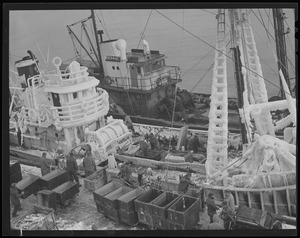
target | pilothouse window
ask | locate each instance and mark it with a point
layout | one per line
(75, 95)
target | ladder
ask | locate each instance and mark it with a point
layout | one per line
(256, 85)
(217, 145)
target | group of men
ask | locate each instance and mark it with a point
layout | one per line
(228, 210)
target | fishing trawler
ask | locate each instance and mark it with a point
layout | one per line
(265, 182)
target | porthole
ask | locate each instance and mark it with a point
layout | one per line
(113, 67)
(118, 68)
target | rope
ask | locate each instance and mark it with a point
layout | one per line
(216, 49)
(104, 25)
(144, 29)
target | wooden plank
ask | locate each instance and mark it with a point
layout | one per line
(288, 201)
(236, 198)
(249, 199)
(186, 166)
(262, 200)
(275, 201)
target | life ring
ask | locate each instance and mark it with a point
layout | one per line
(108, 80)
(56, 61)
(32, 115)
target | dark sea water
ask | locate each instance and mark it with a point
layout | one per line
(45, 34)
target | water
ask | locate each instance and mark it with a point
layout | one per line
(45, 33)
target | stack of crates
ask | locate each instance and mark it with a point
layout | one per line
(142, 206)
(29, 185)
(184, 213)
(159, 208)
(15, 171)
(101, 192)
(65, 192)
(96, 180)
(110, 203)
(54, 179)
(127, 213)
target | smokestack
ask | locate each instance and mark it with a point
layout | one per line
(121, 46)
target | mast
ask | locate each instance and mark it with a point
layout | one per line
(101, 71)
(278, 18)
(237, 69)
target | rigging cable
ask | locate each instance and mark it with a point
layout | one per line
(142, 35)
(104, 25)
(217, 49)
(269, 34)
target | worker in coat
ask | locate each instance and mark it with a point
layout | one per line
(154, 144)
(45, 164)
(228, 207)
(184, 183)
(194, 143)
(15, 199)
(89, 164)
(72, 168)
(211, 206)
(125, 173)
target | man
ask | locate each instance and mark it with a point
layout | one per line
(211, 206)
(194, 144)
(72, 168)
(45, 164)
(89, 164)
(153, 142)
(15, 199)
(184, 183)
(228, 207)
(125, 173)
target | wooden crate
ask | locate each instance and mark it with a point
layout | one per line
(126, 202)
(190, 223)
(54, 179)
(95, 180)
(128, 218)
(100, 207)
(29, 185)
(66, 191)
(14, 167)
(16, 177)
(145, 218)
(101, 192)
(160, 204)
(46, 198)
(141, 204)
(178, 214)
(47, 223)
(160, 222)
(110, 200)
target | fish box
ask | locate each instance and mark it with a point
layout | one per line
(54, 179)
(160, 204)
(29, 185)
(95, 180)
(142, 203)
(16, 177)
(112, 214)
(126, 202)
(160, 222)
(46, 198)
(107, 188)
(66, 191)
(128, 218)
(149, 154)
(100, 207)
(184, 212)
(145, 218)
(111, 199)
(37, 218)
(14, 167)
(111, 174)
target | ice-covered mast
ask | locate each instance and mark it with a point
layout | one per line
(217, 159)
